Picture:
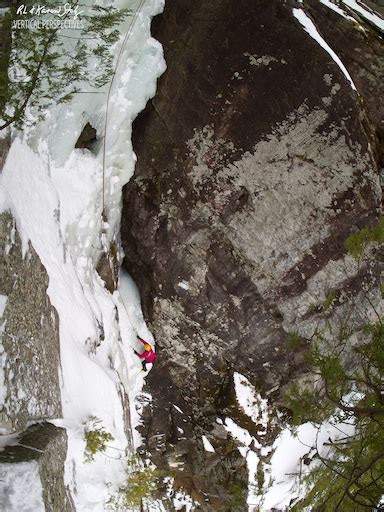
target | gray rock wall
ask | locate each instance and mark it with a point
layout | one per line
(29, 338)
(256, 160)
(362, 53)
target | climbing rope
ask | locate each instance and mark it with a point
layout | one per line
(103, 213)
(103, 231)
(126, 310)
(122, 48)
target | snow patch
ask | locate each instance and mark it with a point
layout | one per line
(207, 445)
(337, 9)
(245, 441)
(20, 487)
(3, 303)
(182, 502)
(366, 13)
(3, 197)
(310, 28)
(8, 440)
(251, 402)
(280, 483)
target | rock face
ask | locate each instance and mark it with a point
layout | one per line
(256, 159)
(362, 54)
(87, 137)
(29, 336)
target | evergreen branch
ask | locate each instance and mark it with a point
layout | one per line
(356, 411)
(34, 80)
(354, 480)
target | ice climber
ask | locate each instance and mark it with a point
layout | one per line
(148, 356)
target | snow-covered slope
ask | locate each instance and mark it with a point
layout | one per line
(23, 479)
(55, 192)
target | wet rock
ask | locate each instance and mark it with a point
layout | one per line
(87, 137)
(37, 461)
(29, 336)
(108, 268)
(254, 165)
(4, 148)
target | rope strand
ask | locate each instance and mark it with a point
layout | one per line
(127, 36)
(126, 309)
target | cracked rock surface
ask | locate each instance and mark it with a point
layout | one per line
(256, 160)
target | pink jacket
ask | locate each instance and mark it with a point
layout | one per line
(148, 355)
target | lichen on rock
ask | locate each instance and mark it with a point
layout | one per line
(249, 179)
